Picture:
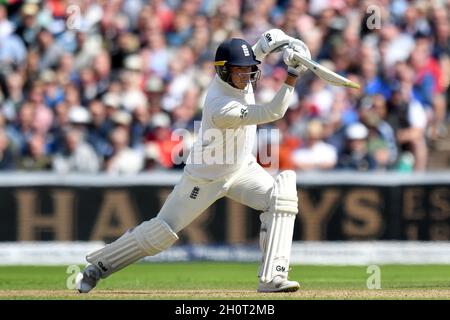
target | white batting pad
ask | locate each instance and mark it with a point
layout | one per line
(154, 236)
(147, 239)
(278, 227)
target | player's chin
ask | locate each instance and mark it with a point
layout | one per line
(243, 84)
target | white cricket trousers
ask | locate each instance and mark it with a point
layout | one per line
(251, 185)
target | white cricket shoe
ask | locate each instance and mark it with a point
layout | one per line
(278, 284)
(87, 280)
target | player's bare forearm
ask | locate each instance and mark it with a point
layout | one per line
(291, 80)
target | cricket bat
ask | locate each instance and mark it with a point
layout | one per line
(326, 74)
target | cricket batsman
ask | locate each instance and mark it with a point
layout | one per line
(229, 108)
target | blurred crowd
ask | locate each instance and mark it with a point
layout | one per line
(105, 85)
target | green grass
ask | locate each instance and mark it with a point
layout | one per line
(209, 280)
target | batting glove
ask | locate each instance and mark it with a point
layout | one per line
(295, 67)
(270, 41)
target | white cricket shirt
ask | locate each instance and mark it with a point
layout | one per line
(228, 128)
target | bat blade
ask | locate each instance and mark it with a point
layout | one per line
(326, 74)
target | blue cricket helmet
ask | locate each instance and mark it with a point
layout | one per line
(235, 52)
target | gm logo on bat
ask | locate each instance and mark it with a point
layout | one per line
(280, 268)
(102, 266)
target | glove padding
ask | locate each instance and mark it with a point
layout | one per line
(270, 41)
(296, 47)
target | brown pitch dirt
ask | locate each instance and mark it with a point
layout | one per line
(202, 294)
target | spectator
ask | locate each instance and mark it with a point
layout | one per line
(255, 19)
(320, 98)
(315, 154)
(428, 89)
(53, 92)
(6, 153)
(102, 71)
(43, 116)
(15, 95)
(181, 29)
(23, 127)
(101, 124)
(49, 51)
(155, 90)
(88, 86)
(72, 95)
(441, 34)
(200, 36)
(163, 13)
(395, 46)
(35, 157)
(140, 127)
(77, 155)
(124, 160)
(65, 71)
(152, 157)
(408, 118)
(11, 132)
(288, 145)
(414, 21)
(28, 27)
(31, 68)
(155, 53)
(133, 60)
(374, 83)
(382, 144)
(181, 72)
(184, 114)
(161, 135)
(61, 121)
(12, 49)
(356, 155)
(87, 47)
